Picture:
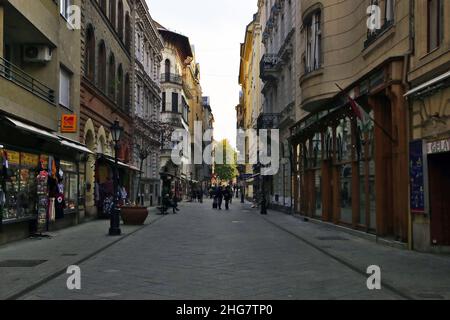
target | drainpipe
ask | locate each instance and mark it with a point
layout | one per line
(407, 86)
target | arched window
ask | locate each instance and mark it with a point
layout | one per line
(120, 20)
(127, 93)
(102, 66)
(120, 87)
(128, 32)
(112, 77)
(103, 6)
(112, 12)
(89, 56)
(167, 70)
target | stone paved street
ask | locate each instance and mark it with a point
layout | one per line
(206, 254)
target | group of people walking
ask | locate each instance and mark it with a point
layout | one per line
(221, 194)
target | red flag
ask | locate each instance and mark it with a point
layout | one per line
(360, 112)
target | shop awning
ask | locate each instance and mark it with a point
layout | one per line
(428, 84)
(76, 146)
(119, 163)
(32, 129)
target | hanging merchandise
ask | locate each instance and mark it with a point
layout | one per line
(60, 206)
(51, 210)
(42, 192)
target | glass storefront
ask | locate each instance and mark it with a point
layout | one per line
(70, 182)
(20, 185)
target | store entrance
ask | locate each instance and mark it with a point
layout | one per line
(439, 177)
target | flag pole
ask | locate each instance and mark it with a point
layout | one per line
(374, 121)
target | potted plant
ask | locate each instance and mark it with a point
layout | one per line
(146, 139)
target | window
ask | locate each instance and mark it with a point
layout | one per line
(313, 42)
(102, 66)
(127, 93)
(89, 56)
(389, 11)
(435, 11)
(103, 5)
(163, 102)
(112, 77)
(64, 87)
(112, 12)
(64, 7)
(175, 102)
(128, 33)
(120, 87)
(120, 20)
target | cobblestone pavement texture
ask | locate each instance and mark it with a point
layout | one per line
(205, 254)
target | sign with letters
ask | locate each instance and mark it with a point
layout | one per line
(69, 123)
(438, 146)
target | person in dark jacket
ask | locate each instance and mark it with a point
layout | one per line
(219, 195)
(228, 195)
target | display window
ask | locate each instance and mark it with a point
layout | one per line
(70, 184)
(20, 185)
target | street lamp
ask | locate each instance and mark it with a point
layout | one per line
(116, 132)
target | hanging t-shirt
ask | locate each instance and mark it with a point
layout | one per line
(60, 204)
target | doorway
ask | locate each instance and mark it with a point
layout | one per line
(439, 179)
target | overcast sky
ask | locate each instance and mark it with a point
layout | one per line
(216, 28)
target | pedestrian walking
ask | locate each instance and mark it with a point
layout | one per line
(219, 194)
(228, 195)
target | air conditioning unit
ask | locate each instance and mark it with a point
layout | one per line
(37, 53)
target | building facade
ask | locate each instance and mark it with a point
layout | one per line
(106, 86)
(429, 114)
(175, 110)
(42, 165)
(346, 172)
(147, 104)
(278, 72)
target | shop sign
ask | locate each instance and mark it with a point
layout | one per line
(69, 123)
(30, 160)
(416, 174)
(438, 146)
(13, 157)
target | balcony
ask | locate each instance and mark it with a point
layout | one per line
(14, 74)
(373, 36)
(269, 67)
(171, 78)
(269, 121)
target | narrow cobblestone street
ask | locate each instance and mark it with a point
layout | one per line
(207, 254)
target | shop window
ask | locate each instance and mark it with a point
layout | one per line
(344, 140)
(318, 210)
(365, 155)
(317, 150)
(346, 193)
(19, 185)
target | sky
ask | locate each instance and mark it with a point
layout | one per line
(215, 28)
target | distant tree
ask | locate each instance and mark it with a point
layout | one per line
(226, 170)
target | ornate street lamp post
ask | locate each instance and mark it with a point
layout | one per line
(116, 132)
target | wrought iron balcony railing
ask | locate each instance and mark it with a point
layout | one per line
(268, 65)
(16, 75)
(269, 121)
(171, 78)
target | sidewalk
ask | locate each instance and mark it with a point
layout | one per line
(28, 263)
(412, 274)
